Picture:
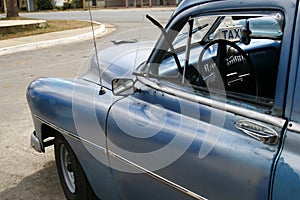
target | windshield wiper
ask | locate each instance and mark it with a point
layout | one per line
(199, 28)
(170, 45)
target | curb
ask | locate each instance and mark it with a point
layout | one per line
(50, 43)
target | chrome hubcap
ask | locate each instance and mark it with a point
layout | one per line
(67, 168)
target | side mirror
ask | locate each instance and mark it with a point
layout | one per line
(122, 87)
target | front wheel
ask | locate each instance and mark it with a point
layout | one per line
(72, 177)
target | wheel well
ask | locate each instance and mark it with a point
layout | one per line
(48, 135)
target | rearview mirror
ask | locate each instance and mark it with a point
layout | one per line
(122, 86)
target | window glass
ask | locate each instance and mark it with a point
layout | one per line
(236, 55)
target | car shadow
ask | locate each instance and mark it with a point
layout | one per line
(43, 184)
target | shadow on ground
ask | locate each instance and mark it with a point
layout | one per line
(43, 184)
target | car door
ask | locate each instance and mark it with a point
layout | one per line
(168, 141)
(160, 145)
(286, 180)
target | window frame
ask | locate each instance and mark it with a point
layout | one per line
(182, 20)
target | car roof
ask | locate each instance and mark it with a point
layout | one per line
(185, 4)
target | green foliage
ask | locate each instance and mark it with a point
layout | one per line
(44, 5)
(76, 3)
(59, 7)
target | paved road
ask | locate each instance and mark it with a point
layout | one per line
(25, 174)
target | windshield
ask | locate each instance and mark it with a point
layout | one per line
(264, 26)
(229, 28)
(200, 28)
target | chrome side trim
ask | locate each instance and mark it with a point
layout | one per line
(294, 126)
(216, 104)
(157, 177)
(69, 134)
(129, 163)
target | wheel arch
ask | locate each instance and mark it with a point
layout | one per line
(48, 135)
(88, 162)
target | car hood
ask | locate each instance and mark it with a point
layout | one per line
(118, 61)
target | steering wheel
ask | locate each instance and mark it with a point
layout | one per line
(231, 65)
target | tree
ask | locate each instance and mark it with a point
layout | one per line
(12, 8)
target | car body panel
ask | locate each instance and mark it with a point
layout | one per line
(117, 61)
(228, 162)
(214, 159)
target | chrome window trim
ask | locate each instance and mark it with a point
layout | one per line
(294, 126)
(279, 122)
(129, 163)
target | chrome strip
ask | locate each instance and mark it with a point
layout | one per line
(216, 104)
(69, 134)
(129, 163)
(294, 126)
(157, 177)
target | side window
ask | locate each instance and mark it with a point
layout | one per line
(236, 55)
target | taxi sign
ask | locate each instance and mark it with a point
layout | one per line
(230, 32)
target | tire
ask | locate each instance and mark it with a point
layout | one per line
(72, 177)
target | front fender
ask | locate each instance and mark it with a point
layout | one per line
(75, 109)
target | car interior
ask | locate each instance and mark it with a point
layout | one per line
(236, 54)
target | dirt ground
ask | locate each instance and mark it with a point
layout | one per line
(24, 173)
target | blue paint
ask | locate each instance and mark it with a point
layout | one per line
(287, 182)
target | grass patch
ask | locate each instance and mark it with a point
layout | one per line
(52, 26)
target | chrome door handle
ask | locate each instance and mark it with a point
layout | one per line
(258, 131)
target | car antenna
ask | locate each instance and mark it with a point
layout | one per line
(101, 91)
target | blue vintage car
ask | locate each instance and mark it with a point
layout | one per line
(209, 112)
